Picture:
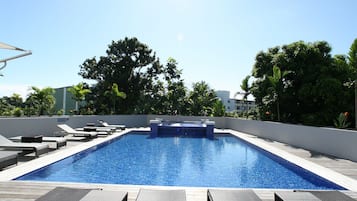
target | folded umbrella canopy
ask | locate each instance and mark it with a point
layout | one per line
(9, 47)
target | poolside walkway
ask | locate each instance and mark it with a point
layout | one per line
(339, 169)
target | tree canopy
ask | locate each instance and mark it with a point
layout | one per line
(149, 86)
(314, 90)
(130, 64)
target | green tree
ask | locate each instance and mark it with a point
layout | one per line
(130, 64)
(175, 101)
(113, 94)
(79, 93)
(41, 100)
(246, 92)
(276, 81)
(352, 58)
(219, 110)
(311, 93)
(201, 99)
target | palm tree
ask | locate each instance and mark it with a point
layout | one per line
(202, 99)
(246, 91)
(79, 93)
(352, 58)
(42, 99)
(276, 80)
(113, 93)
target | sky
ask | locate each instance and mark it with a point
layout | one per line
(215, 41)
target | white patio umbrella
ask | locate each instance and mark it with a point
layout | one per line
(9, 47)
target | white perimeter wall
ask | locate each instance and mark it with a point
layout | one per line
(334, 142)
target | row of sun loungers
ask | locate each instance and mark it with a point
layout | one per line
(249, 195)
(73, 194)
(60, 141)
(37, 148)
(12, 147)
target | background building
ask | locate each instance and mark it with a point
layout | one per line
(234, 104)
(64, 100)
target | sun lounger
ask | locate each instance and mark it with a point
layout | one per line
(38, 148)
(60, 141)
(294, 196)
(75, 194)
(99, 130)
(105, 124)
(161, 195)
(8, 158)
(70, 130)
(320, 195)
(231, 195)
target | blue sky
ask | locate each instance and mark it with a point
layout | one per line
(212, 40)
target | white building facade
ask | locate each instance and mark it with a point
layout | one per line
(233, 104)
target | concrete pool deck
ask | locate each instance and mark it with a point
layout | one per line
(339, 171)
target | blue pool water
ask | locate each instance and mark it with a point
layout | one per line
(180, 161)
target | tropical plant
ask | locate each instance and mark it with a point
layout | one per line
(342, 121)
(130, 64)
(201, 99)
(352, 58)
(276, 81)
(246, 92)
(219, 109)
(311, 93)
(79, 93)
(41, 100)
(113, 94)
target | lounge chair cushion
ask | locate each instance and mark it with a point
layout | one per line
(294, 196)
(161, 195)
(75, 194)
(37, 138)
(70, 130)
(8, 158)
(38, 148)
(232, 195)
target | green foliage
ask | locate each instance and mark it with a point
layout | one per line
(308, 86)
(218, 109)
(352, 61)
(342, 121)
(201, 100)
(352, 55)
(130, 64)
(18, 112)
(40, 101)
(113, 94)
(60, 112)
(79, 92)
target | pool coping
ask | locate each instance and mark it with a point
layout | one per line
(331, 175)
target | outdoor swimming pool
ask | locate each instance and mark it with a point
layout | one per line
(137, 159)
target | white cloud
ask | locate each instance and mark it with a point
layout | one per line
(9, 90)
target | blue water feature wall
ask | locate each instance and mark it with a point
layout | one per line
(203, 128)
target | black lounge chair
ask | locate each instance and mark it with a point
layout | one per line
(117, 127)
(161, 195)
(26, 148)
(60, 141)
(75, 194)
(318, 195)
(231, 195)
(8, 158)
(295, 196)
(69, 130)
